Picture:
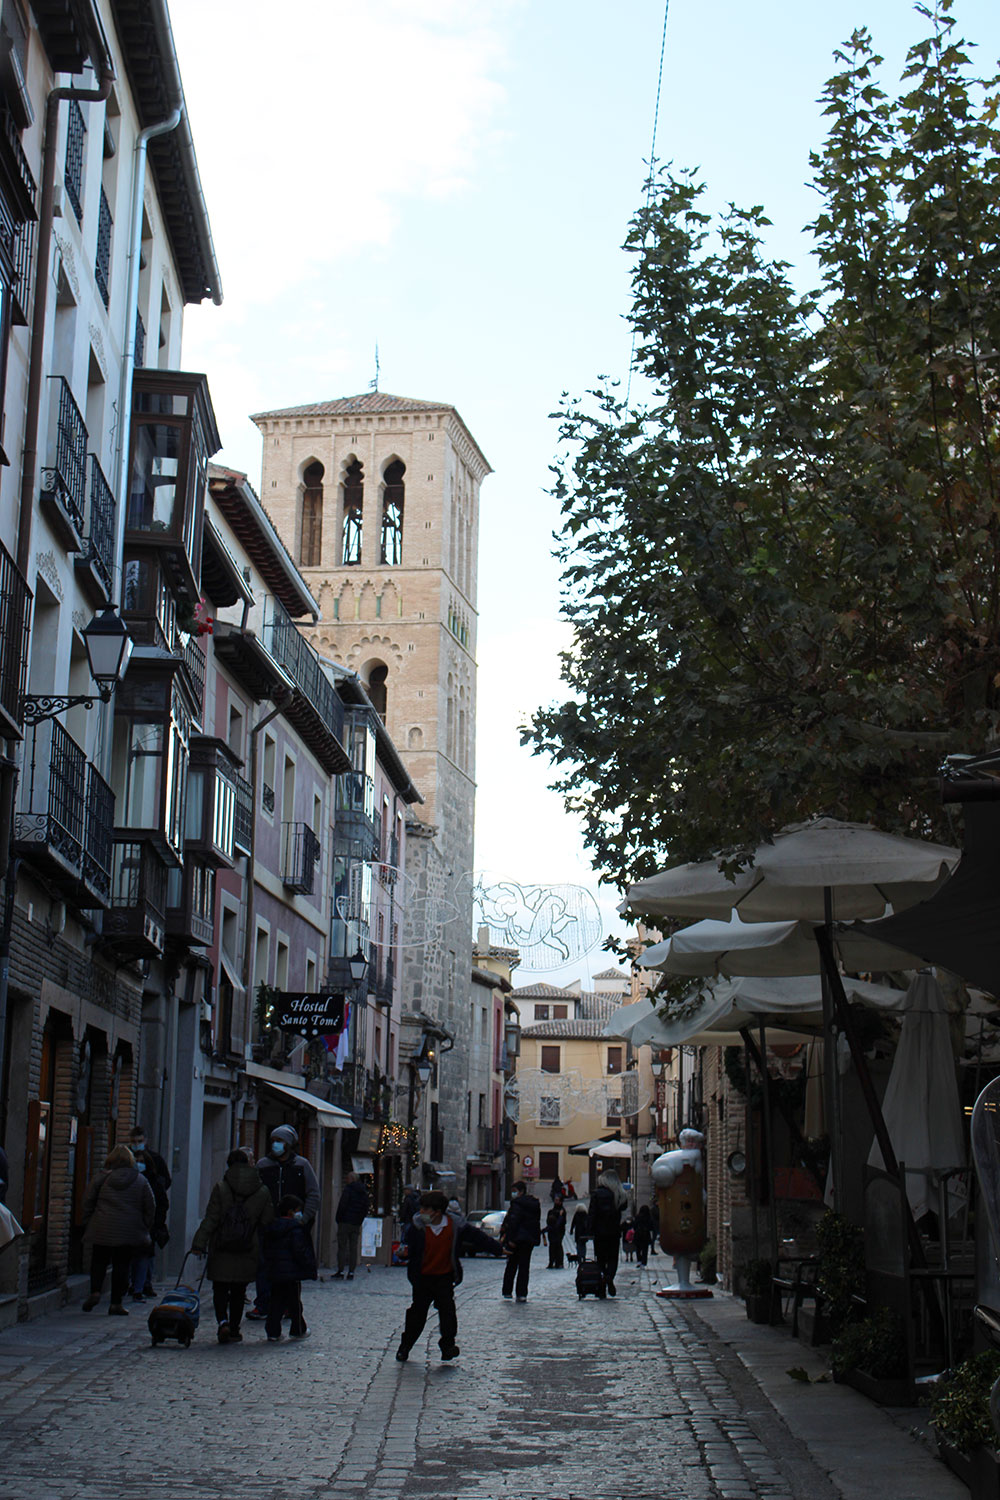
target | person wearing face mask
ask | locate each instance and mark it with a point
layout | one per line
(141, 1274)
(158, 1176)
(284, 1173)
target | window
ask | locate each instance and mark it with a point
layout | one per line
(75, 131)
(614, 1115)
(234, 739)
(267, 775)
(391, 550)
(151, 734)
(288, 791)
(260, 958)
(311, 552)
(541, 1012)
(548, 1165)
(102, 260)
(548, 1110)
(354, 497)
(281, 966)
(377, 690)
(560, 1012)
(550, 1059)
(482, 1109)
(614, 1059)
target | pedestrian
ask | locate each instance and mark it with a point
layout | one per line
(555, 1228)
(556, 1190)
(283, 1171)
(118, 1213)
(628, 1237)
(158, 1176)
(520, 1232)
(643, 1234)
(291, 1259)
(238, 1208)
(141, 1270)
(352, 1210)
(604, 1224)
(580, 1231)
(569, 1192)
(433, 1268)
(409, 1206)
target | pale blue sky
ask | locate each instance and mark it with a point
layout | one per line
(454, 180)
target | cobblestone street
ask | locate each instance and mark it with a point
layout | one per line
(556, 1399)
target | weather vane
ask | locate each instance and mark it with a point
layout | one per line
(373, 384)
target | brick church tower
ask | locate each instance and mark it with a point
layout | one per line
(377, 499)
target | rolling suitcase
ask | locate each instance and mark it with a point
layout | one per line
(177, 1314)
(589, 1279)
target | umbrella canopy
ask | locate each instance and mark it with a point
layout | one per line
(863, 868)
(619, 1025)
(766, 948)
(715, 1014)
(611, 1148)
(591, 1148)
(922, 1109)
(957, 927)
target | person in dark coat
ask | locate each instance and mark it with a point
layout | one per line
(520, 1232)
(643, 1234)
(351, 1213)
(580, 1230)
(409, 1206)
(118, 1213)
(557, 1190)
(158, 1176)
(141, 1272)
(291, 1259)
(232, 1258)
(605, 1222)
(433, 1240)
(283, 1172)
(555, 1228)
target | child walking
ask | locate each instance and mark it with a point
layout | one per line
(290, 1259)
(433, 1237)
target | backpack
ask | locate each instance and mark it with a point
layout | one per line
(236, 1231)
(605, 1216)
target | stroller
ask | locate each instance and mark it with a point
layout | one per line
(177, 1314)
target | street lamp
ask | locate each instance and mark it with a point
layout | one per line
(423, 1067)
(656, 1066)
(109, 647)
(512, 1038)
(358, 965)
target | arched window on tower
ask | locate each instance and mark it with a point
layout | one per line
(377, 689)
(311, 551)
(392, 514)
(354, 499)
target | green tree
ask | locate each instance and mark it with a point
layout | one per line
(783, 573)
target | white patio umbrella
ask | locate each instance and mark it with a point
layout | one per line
(809, 867)
(619, 1025)
(767, 948)
(922, 1108)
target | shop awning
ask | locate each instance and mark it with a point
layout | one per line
(327, 1115)
(590, 1148)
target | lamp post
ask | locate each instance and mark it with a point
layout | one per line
(109, 647)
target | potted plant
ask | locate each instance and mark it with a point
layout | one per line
(871, 1355)
(840, 1276)
(758, 1290)
(960, 1417)
(707, 1263)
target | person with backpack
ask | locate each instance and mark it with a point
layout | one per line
(604, 1224)
(239, 1207)
(284, 1172)
(520, 1232)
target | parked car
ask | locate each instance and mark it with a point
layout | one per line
(488, 1220)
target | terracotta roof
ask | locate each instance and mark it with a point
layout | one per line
(366, 404)
(544, 992)
(597, 1007)
(612, 974)
(251, 524)
(566, 1028)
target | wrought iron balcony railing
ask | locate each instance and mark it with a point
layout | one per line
(140, 341)
(194, 666)
(99, 548)
(243, 830)
(15, 615)
(299, 659)
(49, 826)
(136, 920)
(98, 838)
(300, 858)
(66, 478)
(73, 176)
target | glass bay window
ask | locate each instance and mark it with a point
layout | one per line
(151, 734)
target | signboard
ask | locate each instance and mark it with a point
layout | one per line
(308, 1015)
(371, 1237)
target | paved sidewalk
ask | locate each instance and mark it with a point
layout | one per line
(553, 1400)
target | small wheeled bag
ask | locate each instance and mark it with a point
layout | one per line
(178, 1313)
(589, 1279)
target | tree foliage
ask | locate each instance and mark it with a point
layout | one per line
(783, 572)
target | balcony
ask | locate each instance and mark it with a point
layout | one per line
(487, 1140)
(316, 709)
(300, 856)
(102, 260)
(191, 905)
(15, 615)
(136, 921)
(22, 194)
(193, 663)
(63, 494)
(95, 563)
(98, 841)
(48, 828)
(381, 976)
(377, 1098)
(243, 827)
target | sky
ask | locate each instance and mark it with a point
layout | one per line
(451, 180)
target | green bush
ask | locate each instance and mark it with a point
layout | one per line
(875, 1344)
(756, 1276)
(961, 1414)
(841, 1273)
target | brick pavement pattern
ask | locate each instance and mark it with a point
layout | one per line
(555, 1399)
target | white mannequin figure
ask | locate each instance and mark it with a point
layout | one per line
(684, 1235)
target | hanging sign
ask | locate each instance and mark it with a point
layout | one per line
(308, 1015)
